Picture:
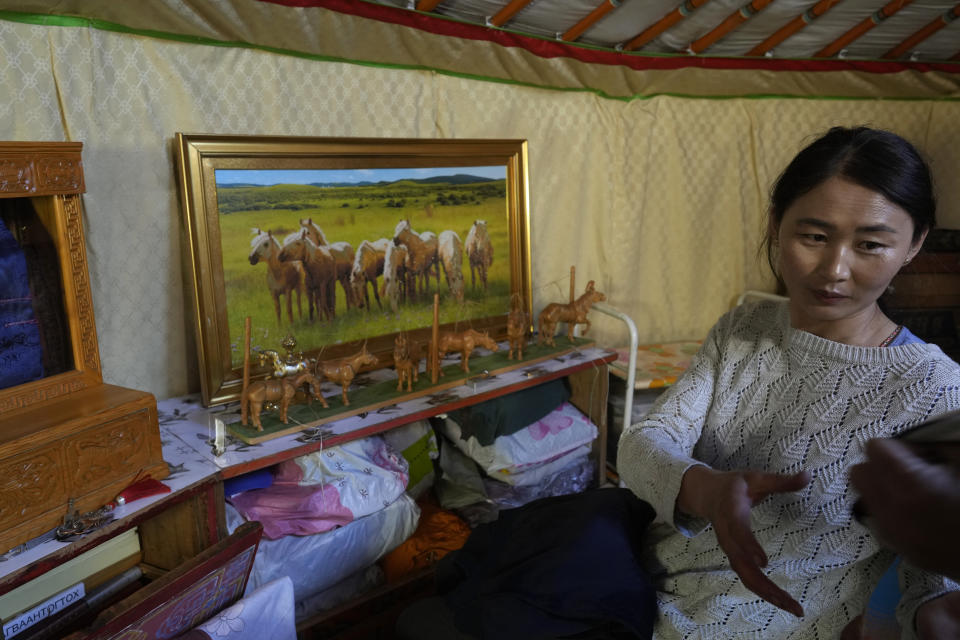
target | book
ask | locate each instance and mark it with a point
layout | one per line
(78, 569)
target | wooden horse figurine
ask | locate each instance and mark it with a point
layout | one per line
(281, 390)
(406, 360)
(342, 371)
(517, 322)
(465, 342)
(573, 313)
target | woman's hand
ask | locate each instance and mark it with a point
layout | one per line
(725, 499)
(939, 619)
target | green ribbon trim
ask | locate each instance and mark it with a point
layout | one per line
(104, 25)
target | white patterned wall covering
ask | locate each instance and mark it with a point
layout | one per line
(661, 201)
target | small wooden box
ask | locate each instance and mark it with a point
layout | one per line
(67, 434)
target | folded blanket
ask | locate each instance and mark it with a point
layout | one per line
(326, 489)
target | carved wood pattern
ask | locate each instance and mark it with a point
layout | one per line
(40, 168)
(81, 284)
(114, 449)
(30, 485)
(16, 177)
(38, 395)
(59, 175)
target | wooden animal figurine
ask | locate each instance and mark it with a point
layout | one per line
(406, 359)
(465, 342)
(280, 368)
(573, 313)
(280, 390)
(517, 322)
(342, 371)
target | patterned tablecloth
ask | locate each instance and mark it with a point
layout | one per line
(658, 365)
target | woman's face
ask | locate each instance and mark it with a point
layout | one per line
(840, 246)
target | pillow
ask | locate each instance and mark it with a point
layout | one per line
(259, 479)
(418, 444)
(510, 413)
(558, 432)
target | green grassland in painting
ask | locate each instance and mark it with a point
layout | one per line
(354, 214)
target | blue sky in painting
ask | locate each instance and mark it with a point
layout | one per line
(307, 176)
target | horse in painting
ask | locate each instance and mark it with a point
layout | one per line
(367, 267)
(479, 250)
(283, 278)
(422, 251)
(320, 268)
(450, 252)
(395, 275)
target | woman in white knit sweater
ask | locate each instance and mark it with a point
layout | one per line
(746, 457)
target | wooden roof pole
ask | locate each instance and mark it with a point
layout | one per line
(577, 30)
(733, 21)
(792, 27)
(427, 5)
(939, 23)
(663, 24)
(507, 12)
(868, 23)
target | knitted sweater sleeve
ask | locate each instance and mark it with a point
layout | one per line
(918, 586)
(653, 454)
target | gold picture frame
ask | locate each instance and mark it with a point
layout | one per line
(244, 196)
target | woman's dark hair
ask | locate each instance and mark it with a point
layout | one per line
(875, 159)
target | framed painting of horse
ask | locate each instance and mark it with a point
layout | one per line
(344, 242)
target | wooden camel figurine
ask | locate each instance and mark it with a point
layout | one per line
(517, 322)
(464, 342)
(573, 313)
(406, 360)
(281, 390)
(342, 371)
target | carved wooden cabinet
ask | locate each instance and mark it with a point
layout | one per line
(65, 434)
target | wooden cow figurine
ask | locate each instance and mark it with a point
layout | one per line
(465, 342)
(517, 322)
(573, 313)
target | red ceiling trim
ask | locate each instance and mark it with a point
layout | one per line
(556, 49)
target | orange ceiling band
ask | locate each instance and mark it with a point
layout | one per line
(924, 33)
(866, 25)
(577, 30)
(792, 27)
(427, 5)
(733, 21)
(663, 24)
(512, 8)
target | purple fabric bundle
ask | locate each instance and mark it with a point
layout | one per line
(21, 354)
